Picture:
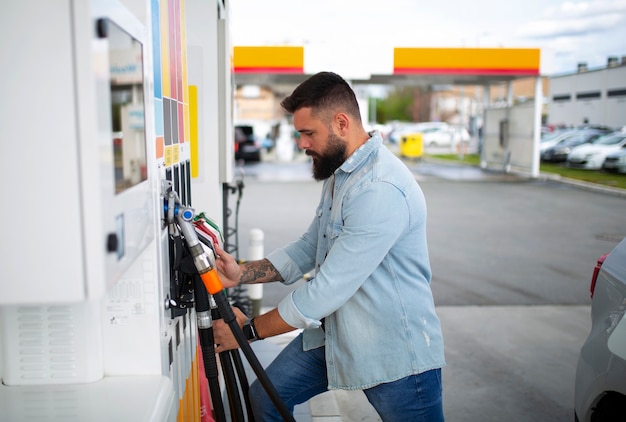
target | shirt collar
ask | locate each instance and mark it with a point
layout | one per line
(361, 154)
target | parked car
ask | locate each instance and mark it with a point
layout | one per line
(397, 129)
(591, 156)
(616, 161)
(548, 141)
(247, 146)
(439, 134)
(558, 152)
(600, 386)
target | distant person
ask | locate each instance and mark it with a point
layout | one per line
(268, 143)
(368, 315)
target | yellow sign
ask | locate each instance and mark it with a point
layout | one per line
(467, 61)
(268, 59)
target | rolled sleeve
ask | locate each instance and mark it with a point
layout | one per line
(292, 315)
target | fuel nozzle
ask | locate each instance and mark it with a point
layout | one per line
(184, 216)
(204, 263)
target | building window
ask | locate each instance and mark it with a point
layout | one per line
(617, 93)
(587, 95)
(563, 97)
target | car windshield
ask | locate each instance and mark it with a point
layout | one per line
(554, 135)
(612, 139)
(244, 133)
(580, 138)
(572, 138)
(432, 129)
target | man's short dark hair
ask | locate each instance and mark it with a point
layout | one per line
(324, 91)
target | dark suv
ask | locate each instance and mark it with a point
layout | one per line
(247, 147)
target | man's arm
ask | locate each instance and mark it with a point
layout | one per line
(267, 325)
(260, 271)
(233, 274)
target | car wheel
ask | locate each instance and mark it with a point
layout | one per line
(611, 408)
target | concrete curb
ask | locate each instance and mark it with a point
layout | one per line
(583, 185)
(542, 176)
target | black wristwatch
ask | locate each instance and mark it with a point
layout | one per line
(249, 330)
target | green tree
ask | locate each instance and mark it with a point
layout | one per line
(397, 106)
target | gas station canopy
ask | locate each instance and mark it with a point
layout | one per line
(411, 66)
(269, 65)
(503, 144)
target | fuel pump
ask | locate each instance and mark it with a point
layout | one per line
(180, 216)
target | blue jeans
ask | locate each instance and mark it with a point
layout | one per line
(299, 375)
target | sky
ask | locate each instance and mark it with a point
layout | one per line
(355, 38)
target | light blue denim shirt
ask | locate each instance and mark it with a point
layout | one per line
(367, 244)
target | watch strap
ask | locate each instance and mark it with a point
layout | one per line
(249, 330)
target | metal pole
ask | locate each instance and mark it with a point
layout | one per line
(461, 146)
(255, 252)
(483, 132)
(509, 105)
(537, 126)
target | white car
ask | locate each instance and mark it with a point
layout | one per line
(437, 136)
(591, 156)
(440, 134)
(550, 140)
(616, 161)
(600, 386)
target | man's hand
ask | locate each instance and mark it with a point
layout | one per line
(227, 268)
(224, 338)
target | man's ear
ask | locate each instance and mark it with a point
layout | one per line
(342, 123)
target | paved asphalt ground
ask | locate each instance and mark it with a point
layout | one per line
(512, 259)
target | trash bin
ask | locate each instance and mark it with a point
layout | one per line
(412, 145)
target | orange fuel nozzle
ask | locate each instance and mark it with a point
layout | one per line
(212, 281)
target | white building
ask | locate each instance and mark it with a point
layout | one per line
(594, 96)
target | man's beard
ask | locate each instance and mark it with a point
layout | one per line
(325, 164)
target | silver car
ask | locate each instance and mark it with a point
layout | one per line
(600, 390)
(616, 161)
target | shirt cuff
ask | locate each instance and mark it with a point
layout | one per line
(289, 312)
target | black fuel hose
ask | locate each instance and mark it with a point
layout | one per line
(207, 345)
(229, 318)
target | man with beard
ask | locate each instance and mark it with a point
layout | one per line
(368, 315)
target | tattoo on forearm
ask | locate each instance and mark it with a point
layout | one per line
(261, 271)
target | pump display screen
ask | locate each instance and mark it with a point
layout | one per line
(127, 108)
